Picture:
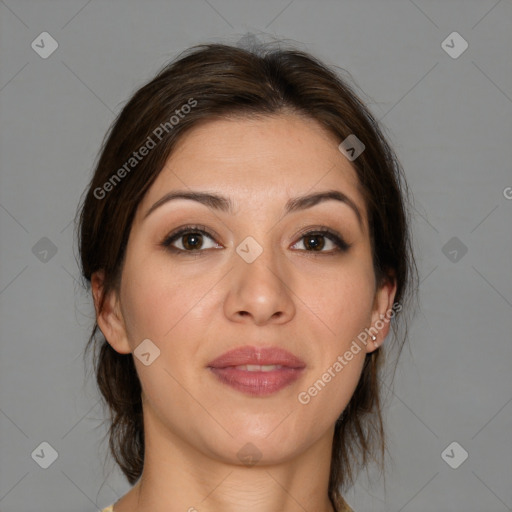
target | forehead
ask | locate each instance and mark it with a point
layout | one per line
(260, 161)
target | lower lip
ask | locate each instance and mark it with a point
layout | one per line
(257, 383)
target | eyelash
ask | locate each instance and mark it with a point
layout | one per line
(341, 245)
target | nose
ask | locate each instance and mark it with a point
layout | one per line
(260, 292)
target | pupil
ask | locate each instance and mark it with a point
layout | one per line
(315, 244)
(192, 245)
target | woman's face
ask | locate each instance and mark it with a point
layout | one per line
(250, 278)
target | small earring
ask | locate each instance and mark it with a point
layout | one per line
(374, 342)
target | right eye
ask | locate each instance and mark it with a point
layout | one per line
(191, 239)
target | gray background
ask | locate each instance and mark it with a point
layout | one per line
(450, 121)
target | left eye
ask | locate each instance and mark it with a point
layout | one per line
(315, 240)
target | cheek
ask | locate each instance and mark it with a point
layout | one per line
(342, 306)
(147, 302)
(144, 298)
(341, 302)
(160, 301)
(337, 365)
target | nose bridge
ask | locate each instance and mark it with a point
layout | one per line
(258, 259)
(259, 285)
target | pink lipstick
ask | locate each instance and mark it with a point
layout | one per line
(257, 371)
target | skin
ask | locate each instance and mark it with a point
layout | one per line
(196, 308)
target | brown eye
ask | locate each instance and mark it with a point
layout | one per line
(314, 241)
(192, 241)
(189, 239)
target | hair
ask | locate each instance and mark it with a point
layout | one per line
(220, 81)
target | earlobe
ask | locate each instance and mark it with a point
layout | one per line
(109, 318)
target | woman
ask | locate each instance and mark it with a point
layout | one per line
(246, 240)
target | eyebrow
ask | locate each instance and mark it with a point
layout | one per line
(224, 204)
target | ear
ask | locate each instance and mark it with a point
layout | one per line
(110, 319)
(382, 312)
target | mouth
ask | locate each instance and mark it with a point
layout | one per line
(257, 371)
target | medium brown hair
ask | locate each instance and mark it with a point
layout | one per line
(226, 81)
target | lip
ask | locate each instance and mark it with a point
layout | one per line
(227, 368)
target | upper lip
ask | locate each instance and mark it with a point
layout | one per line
(257, 356)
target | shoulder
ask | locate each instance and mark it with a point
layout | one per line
(108, 509)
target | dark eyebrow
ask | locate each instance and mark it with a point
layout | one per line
(303, 202)
(224, 204)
